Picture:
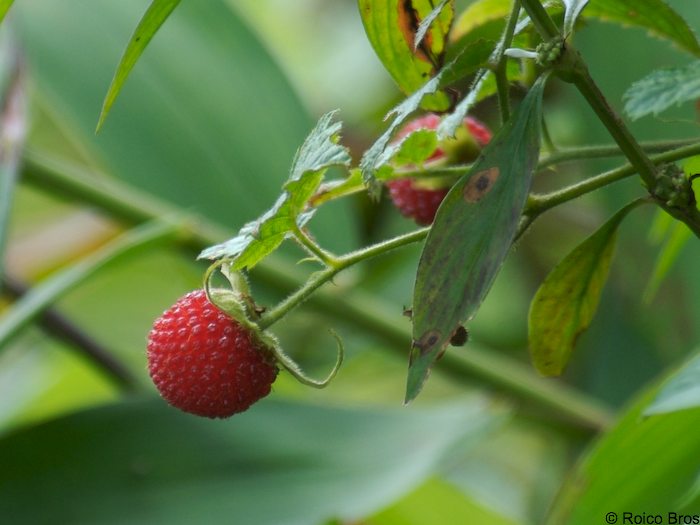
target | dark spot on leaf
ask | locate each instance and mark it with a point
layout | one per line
(427, 341)
(459, 336)
(137, 39)
(408, 312)
(480, 184)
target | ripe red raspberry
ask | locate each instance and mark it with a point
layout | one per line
(411, 199)
(416, 203)
(204, 362)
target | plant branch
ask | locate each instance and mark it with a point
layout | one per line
(313, 248)
(362, 310)
(57, 325)
(607, 150)
(321, 277)
(617, 129)
(544, 24)
(538, 204)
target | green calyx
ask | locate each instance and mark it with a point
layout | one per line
(237, 303)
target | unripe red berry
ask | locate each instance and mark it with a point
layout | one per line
(421, 203)
(206, 363)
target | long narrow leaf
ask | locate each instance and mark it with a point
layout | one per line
(157, 13)
(471, 236)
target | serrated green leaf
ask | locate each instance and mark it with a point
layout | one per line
(156, 14)
(382, 151)
(392, 27)
(662, 89)
(567, 300)
(655, 460)
(4, 8)
(681, 392)
(471, 236)
(417, 147)
(679, 235)
(279, 463)
(572, 10)
(261, 237)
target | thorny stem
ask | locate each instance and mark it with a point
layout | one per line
(572, 68)
(558, 157)
(314, 249)
(628, 144)
(319, 278)
(132, 206)
(607, 150)
(538, 204)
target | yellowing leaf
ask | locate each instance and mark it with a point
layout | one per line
(565, 304)
(409, 38)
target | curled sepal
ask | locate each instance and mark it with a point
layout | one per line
(238, 304)
(236, 301)
(293, 368)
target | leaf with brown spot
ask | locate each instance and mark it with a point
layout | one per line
(471, 236)
(391, 28)
(565, 304)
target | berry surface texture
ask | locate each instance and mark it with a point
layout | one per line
(206, 363)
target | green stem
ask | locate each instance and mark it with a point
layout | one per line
(572, 68)
(475, 364)
(501, 71)
(608, 150)
(538, 204)
(313, 248)
(40, 297)
(544, 24)
(358, 308)
(321, 277)
(622, 136)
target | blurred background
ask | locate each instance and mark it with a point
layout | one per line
(207, 125)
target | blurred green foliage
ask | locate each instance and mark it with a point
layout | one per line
(209, 121)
